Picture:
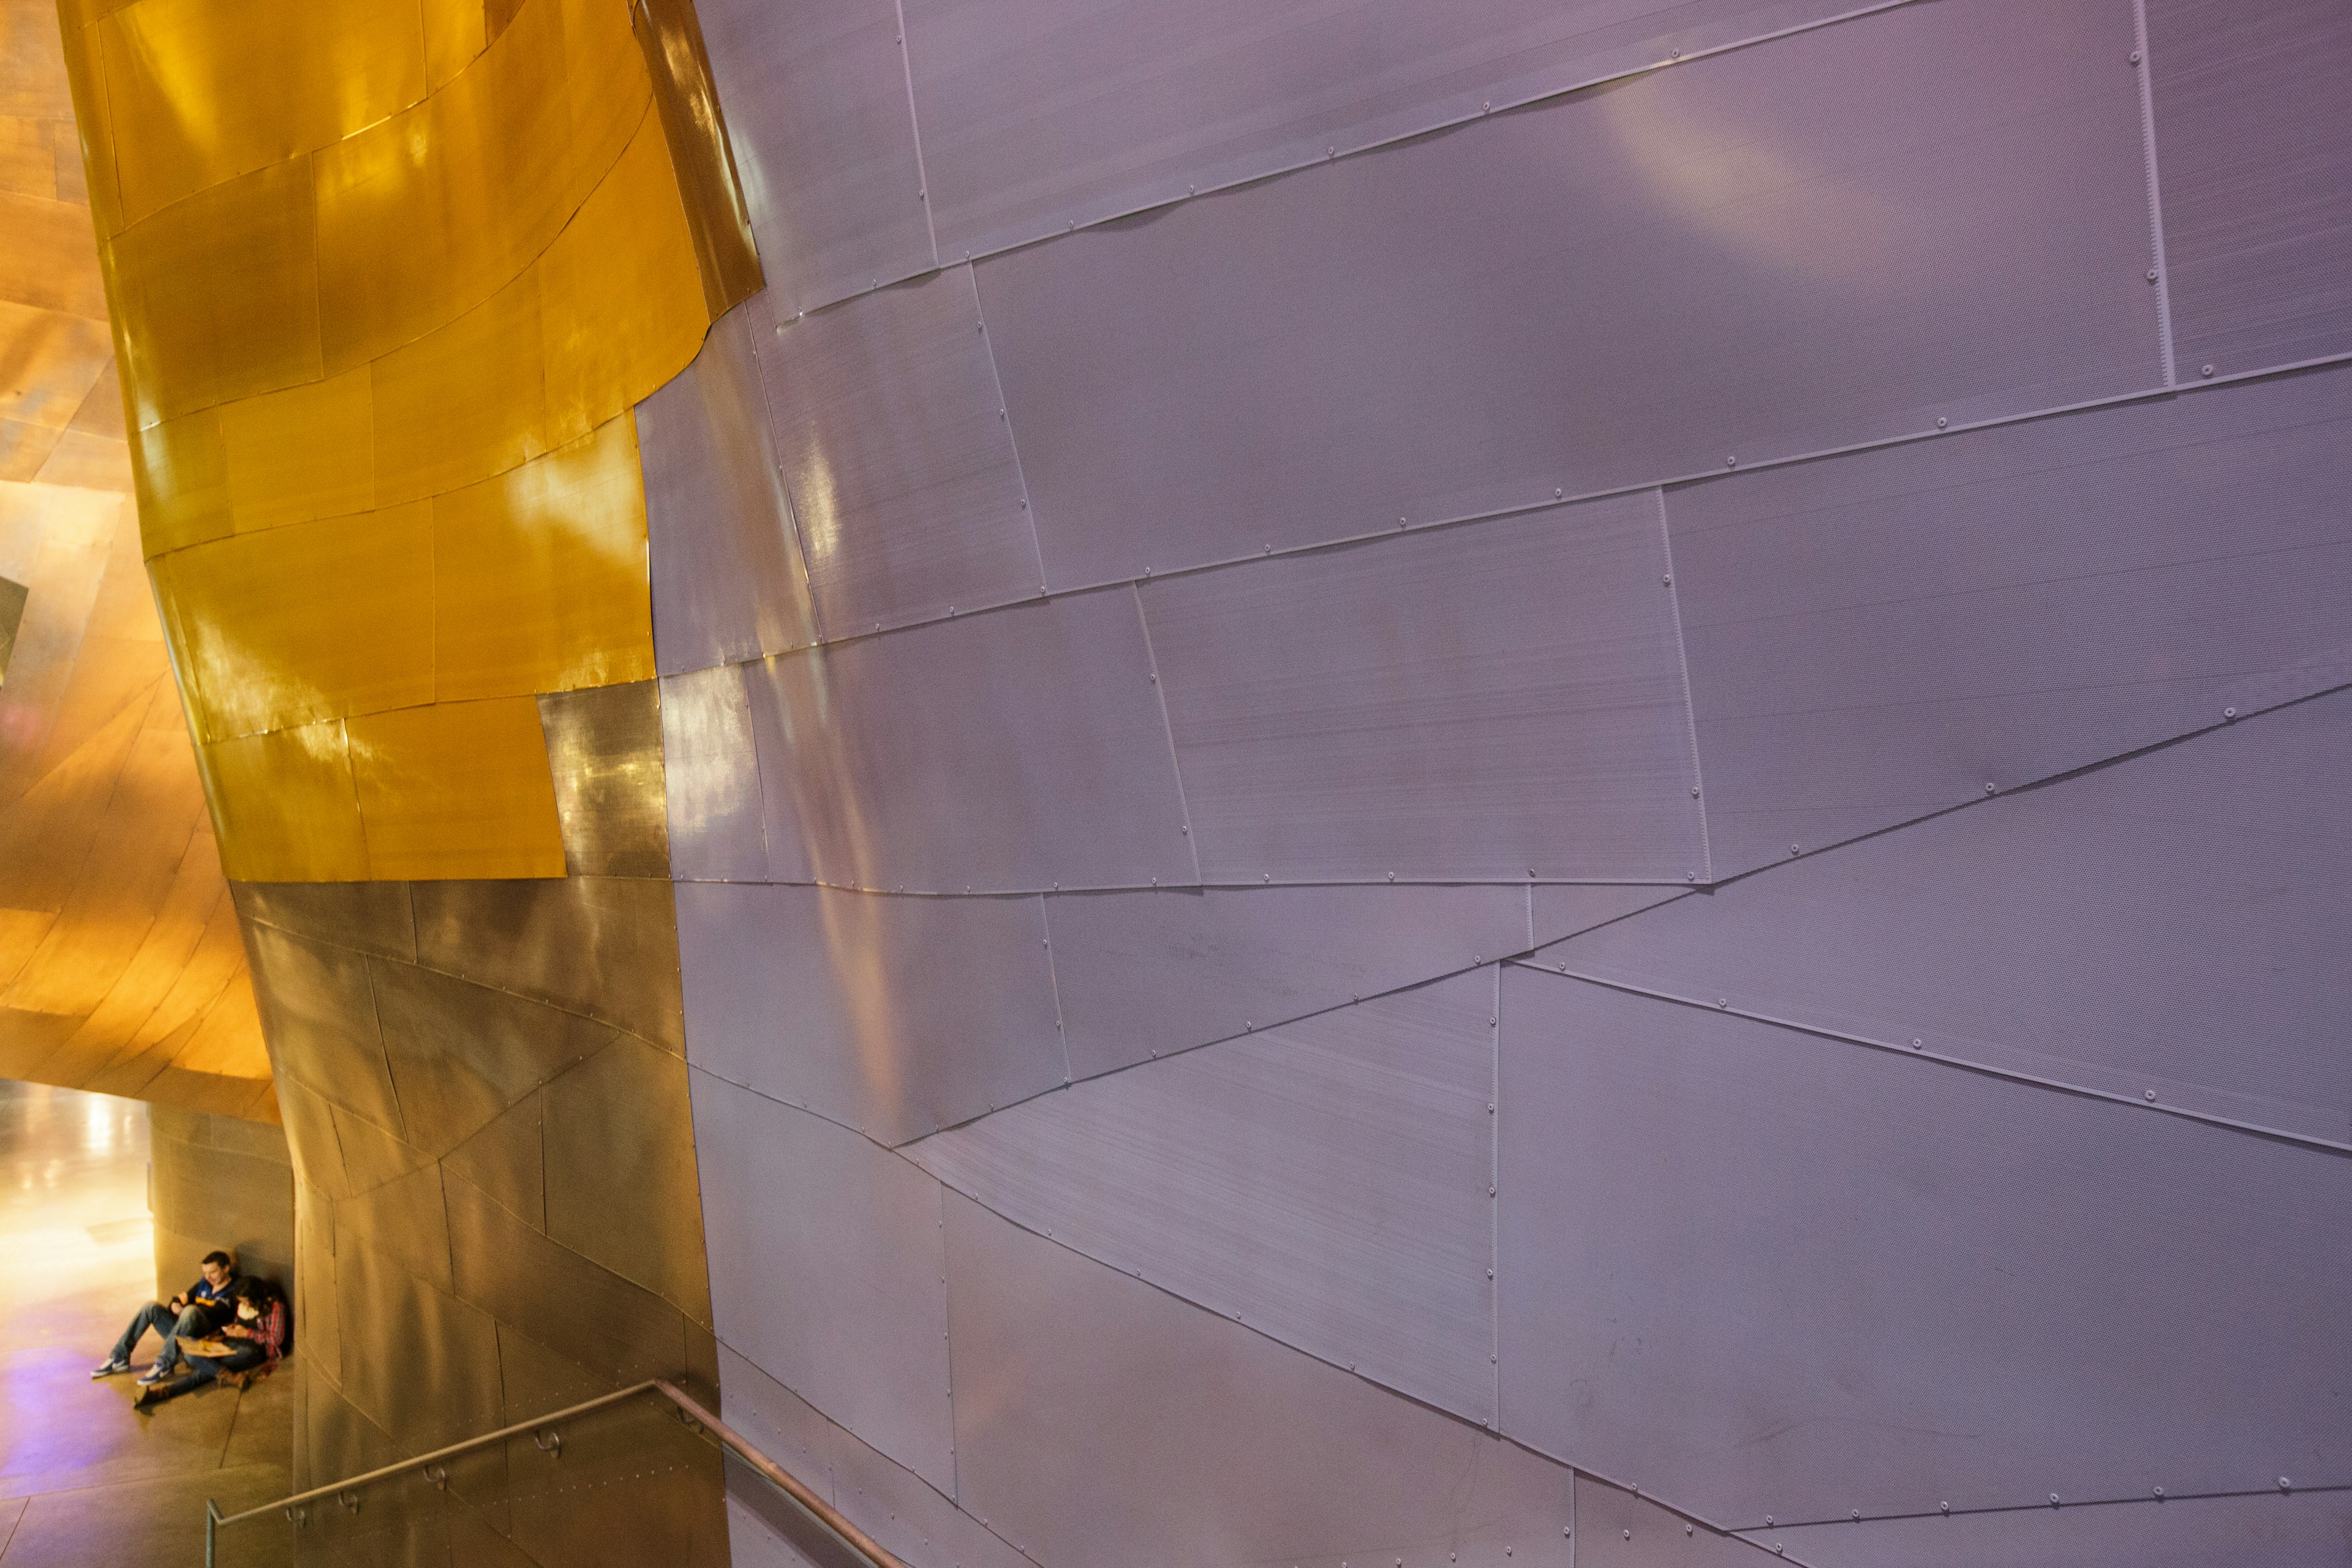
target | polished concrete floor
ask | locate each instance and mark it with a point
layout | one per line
(83, 1479)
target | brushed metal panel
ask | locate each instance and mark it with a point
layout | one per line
(1327, 1183)
(1556, 910)
(824, 139)
(711, 769)
(621, 1181)
(896, 1017)
(1864, 1281)
(1880, 635)
(1195, 1441)
(319, 1015)
(2171, 925)
(1144, 974)
(2254, 157)
(603, 946)
(506, 1162)
(458, 789)
(729, 583)
(421, 1365)
(373, 917)
(1937, 210)
(1500, 701)
(604, 752)
(404, 1220)
(670, 37)
(893, 440)
(1619, 1528)
(826, 1270)
(460, 1053)
(2281, 1531)
(1035, 114)
(1007, 751)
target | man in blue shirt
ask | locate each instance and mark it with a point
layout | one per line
(192, 1313)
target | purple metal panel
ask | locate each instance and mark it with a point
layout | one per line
(2254, 157)
(2299, 1530)
(1935, 211)
(823, 138)
(1617, 1528)
(1559, 910)
(894, 443)
(896, 1017)
(1327, 1183)
(727, 580)
(1146, 975)
(1007, 751)
(1773, 1275)
(1101, 1421)
(1878, 636)
(1037, 113)
(713, 778)
(826, 1269)
(2172, 926)
(1499, 702)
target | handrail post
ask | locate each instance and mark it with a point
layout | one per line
(212, 1524)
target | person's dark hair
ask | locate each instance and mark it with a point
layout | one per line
(223, 1259)
(257, 1291)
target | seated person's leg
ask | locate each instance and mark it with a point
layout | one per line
(153, 1315)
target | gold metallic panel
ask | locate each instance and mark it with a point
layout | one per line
(621, 1182)
(307, 452)
(506, 1163)
(423, 1365)
(218, 297)
(310, 621)
(93, 125)
(371, 1156)
(716, 211)
(310, 1134)
(459, 789)
(540, 575)
(605, 749)
(605, 946)
(402, 1219)
(51, 357)
(373, 917)
(462, 1053)
(456, 31)
(314, 1276)
(464, 403)
(48, 261)
(621, 294)
(203, 90)
(181, 470)
(321, 1015)
(285, 805)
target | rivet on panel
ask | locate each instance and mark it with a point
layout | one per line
(1725, 1002)
(1731, 462)
(2151, 274)
(1185, 831)
(1857, 1516)
(1686, 1529)
(2135, 57)
(1918, 1045)
(1989, 789)
(1191, 190)
(2205, 370)
(1796, 849)
(2053, 1499)
(2159, 1491)
(1941, 422)
(1488, 108)
(1668, 582)
(1392, 876)
(2229, 713)
(1691, 876)
(1557, 492)
(2285, 1485)
(1947, 1508)
(2151, 1094)
(1694, 792)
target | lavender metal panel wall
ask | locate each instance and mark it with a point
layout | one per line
(2169, 930)
(1557, 910)
(1008, 751)
(1196, 96)
(1204, 1442)
(715, 829)
(1934, 211)
(2254, 149)
(896, 1017)
(1327, 1182)
(1147, 974)
(1878, 636)
(903, 477)
(824, 137)
(1774, 1275)
(727, 580)
(1617, 1528)
(1501, 701)
(826, 1270)
(2280, 1530)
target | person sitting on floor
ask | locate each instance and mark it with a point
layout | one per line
(193, 1312)
(253, 1343)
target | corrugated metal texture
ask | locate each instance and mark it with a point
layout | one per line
(2254, 154)
(1773, 1275)
(1327, 1182)
(902, 471)
(1500, 701)
(1008, 751)
(827, 1271)
(2173, 925)
(817, 115)
(1880, 635)
(1145, 974)
(896, 1017)
(2299, 1530)
(1100, 1420)
(717, 831)
(727, 580)
(1036, 114)
(1937, 210)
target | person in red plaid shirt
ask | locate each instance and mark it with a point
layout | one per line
(258, 1336)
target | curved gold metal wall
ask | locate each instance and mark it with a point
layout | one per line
(387, 281)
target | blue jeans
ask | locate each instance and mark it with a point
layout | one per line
(167, 1325)
(204, 1369)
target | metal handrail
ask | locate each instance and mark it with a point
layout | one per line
(819, 1513)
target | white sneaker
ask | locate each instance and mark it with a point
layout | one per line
(154, 1374)
(110, 1369)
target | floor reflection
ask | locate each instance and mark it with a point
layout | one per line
(83, 1479)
